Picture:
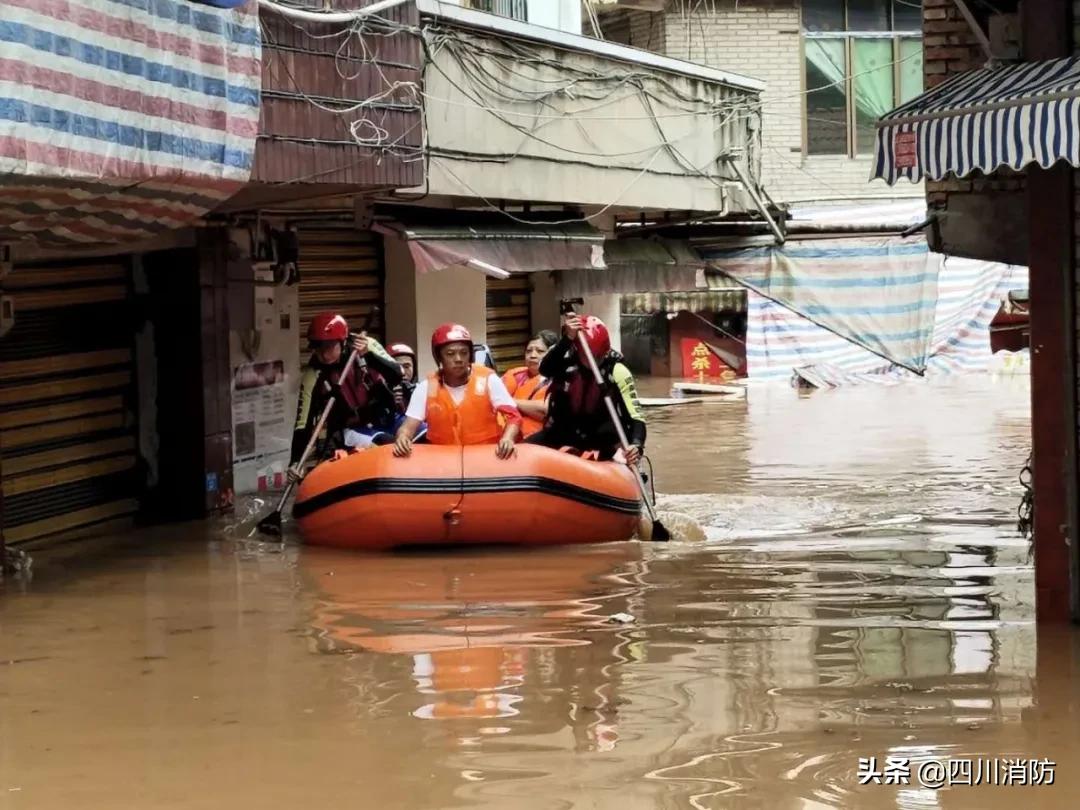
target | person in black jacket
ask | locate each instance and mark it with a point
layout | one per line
(577, 415)
(363, 404)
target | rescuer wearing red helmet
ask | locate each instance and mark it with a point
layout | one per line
(363, 403)
(462, 402)
(577, 416)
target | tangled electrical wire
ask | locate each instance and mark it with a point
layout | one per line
(554, 104)
(529, 90)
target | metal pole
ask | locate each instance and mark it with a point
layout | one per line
(734, 164)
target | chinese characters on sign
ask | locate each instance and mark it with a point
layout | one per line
(940, 773)
(700, 362)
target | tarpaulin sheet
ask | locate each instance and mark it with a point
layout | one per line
(123, 118)
(878, 293)
(515, 249)
(639, 266)
(970, 293)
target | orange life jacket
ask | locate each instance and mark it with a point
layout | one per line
(522, 386)
(474, 421)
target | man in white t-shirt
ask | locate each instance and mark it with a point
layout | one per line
(463, 403)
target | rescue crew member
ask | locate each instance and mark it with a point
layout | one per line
(462, 402)
(528, 386)
(364, 402)
(577, 416)
(405, 357)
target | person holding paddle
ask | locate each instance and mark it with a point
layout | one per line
(363, 399)
(587, 378)
(577, 415)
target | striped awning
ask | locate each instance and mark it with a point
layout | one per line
(983, 120)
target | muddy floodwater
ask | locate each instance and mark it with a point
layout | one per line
(860, 592)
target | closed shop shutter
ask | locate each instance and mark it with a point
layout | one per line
(67, 425)
(509, 321)
(340, 270)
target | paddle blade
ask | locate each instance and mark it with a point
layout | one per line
(660, 534)
(271, 524)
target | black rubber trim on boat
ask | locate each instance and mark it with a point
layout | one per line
(455, 486)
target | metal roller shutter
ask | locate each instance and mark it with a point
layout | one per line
(341, 269)
(509, 320)
(67, 429)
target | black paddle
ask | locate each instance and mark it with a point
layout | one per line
(660, 532)
(271, 524)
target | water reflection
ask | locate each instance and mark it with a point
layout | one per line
(481, 628)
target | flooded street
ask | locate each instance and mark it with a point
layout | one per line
(861, 592)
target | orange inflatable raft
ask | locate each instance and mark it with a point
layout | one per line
(460, 496)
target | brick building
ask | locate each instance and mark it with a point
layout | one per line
(857, 60)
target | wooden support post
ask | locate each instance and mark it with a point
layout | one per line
(1052, 265)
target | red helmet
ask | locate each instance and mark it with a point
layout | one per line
(327, 326)
(596, 335)
(398, 349)
(450, 333)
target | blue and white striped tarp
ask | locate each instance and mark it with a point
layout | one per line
(984, 119)
(969, 294)
(877, 293)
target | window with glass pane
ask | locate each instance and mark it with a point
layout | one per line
(872, 79)
(859, 66)
(504, 8)
(823, 15)
(826, 97)
(868, 15)
(911, 69)
(907, 15)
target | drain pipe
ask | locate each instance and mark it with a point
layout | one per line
(734, 164)
(330, 16)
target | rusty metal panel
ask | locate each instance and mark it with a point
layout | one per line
(309, 71)
(509, 321)
(66, 384)
(340, 269)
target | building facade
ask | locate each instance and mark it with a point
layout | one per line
(831, 68)
(385, 145)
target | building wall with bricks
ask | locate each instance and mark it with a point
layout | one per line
(762, 39)
(981, 216)
(950, 47)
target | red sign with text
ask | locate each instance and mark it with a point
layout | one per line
(701, 364)
(905, 150)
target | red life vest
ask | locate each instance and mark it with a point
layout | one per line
(357, 389)
(474, 421)
(583, 394)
